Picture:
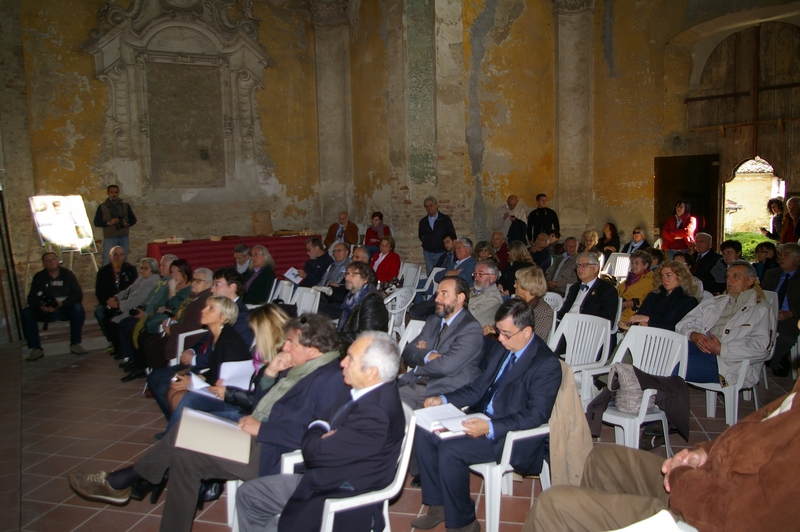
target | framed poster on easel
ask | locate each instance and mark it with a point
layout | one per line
(62, 221)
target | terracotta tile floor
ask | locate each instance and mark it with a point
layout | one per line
(76, 413)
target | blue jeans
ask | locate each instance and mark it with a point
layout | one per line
(431, 258)
(159, 381)
(110, 242)
(701, 367)
(72, 313)
(204, 404)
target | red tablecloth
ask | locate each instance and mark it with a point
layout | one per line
(287, 251)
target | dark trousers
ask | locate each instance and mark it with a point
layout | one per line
(99, 315)
(159, 381)
(126, 327)
(444, 472)
(73, 313)
(186, 470)
(787, 337)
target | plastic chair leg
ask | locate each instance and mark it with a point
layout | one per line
(711, 403)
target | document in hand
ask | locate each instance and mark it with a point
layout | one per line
(293, 275)
(236, 374)
(444, 420)
(212, 435)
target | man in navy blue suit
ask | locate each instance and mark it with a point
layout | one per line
(517, 391)
(591, 295)
(355, 452)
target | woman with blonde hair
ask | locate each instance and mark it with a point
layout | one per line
(518, 258)
(589, 241)
(674, 296)
(531, 287)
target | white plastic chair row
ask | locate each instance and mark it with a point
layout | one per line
(617, 265)
(282, 290)
(397, 304)
(430, 283)
(306, 299)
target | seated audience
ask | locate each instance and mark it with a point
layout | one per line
(656, 257)
(112, 278)
(705, 258)
(302, 383)
(637, 241)
(685, 258)
(334, 275)
(159, 349)
(386, 263)
(563, 272)
(517, 391)
(483, 250)
(342, 231)
(674, 296)
(242, 260)
(448, 258)
(484, 296)
(55, 295)
(608, 243)
(763, 260)
(267, 324)
(353, 453)
(317, 263)
(591, 296)
(363, 308)
(556, 248)
(500, 249)
(728, 329)
(258, 284)
(731, 251)
(375, 232)
(589, 242)
(531, 288)
(786, 284)
(636, 285)
(223, 345)
(540, 251)
(678, 233)
(518, 258)
(121, 305)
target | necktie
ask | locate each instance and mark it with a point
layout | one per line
(489, 395)
(439, 338)
(783, 290)
(584, 286)
(339, 233)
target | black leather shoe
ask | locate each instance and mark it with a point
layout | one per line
(133, 375)
(210, 490)
(416, 482)
(124, 365)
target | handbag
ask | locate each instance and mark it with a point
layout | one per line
(628, 393)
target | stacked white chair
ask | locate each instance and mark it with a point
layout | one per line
(397, 304)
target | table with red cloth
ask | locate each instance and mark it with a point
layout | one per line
(286, 251)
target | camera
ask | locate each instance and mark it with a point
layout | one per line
(46, 300)
(135, 310)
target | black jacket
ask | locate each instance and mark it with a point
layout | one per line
(65, 285)
(105, 285)
(542, 221)
(432, 238)
(702, 268)
(602, 300)
(665, 311)
(370, 315)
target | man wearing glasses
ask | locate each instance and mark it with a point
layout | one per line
(485, 298)
(637, 242)
(591, 295)
(517, 392)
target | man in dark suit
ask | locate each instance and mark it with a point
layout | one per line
(446, 354)
(786, 283)
(705, 258)
(302, 383)
(591, 295)
(463, 267)
(517, 392)
(355, 452)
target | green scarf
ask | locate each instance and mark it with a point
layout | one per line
(264, 407)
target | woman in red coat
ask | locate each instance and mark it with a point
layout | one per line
(678, 233)
(374, 233)
(386, 262)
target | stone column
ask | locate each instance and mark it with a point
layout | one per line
(331, 34)
(574, 112)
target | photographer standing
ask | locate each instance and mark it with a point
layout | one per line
(55, 295)
(116, 218)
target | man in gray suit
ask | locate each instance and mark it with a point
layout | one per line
(563, 271)
(446, 353)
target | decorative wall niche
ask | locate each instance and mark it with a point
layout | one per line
(182, 78)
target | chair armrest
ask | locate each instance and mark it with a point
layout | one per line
(289, 460)
(182, 339)
(518, 435)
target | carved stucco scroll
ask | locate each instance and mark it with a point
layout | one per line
(181, 32)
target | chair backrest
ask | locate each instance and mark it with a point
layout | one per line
(587, 339)
(615, 325)
(283, 291)
(654, 351)
(657, 243)
(772, 299)
(409, 273)
(707, 295)
(699, 284)
(554, 300)
(306, 299)
(618, 265)
(413, 329)
(397, 304)
(182, 340)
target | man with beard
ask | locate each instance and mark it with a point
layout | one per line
(363, 308)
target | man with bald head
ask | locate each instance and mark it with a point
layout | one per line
(505, 214)
(342, 231)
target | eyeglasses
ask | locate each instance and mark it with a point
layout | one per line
(353, 274)
(637, 232)
(480, 274)
(508, 336)
(585, 264)
(219, 283)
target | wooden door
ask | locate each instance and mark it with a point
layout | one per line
(694, 178)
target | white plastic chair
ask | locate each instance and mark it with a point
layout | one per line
(397, 304)
(306, 299)
(554, 300)
(283, 291)
(413, 329)
(617, 318)
(587, 347)
(430, 282)
(699, 284)
(496, 480)
(656, 352)
(657, 243)
(409, 273)
(617, 265)
(730, 394)
(707, 295)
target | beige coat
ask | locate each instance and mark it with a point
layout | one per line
(570, 440)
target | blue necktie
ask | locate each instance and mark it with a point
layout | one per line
(489, 395)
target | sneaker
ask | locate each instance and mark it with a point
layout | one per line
(77, 349)
(95, 487)
(35, 354)
(110, 349)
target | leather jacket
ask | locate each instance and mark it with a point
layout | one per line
(370, 315)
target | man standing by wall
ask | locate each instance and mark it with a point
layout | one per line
(542, 219)
(432, 229)
(115, 217)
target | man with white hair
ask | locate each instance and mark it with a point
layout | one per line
(354, 452)
(111, 279)
(508, 212)
(432, 229)
(485, 298)
(342, 231)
